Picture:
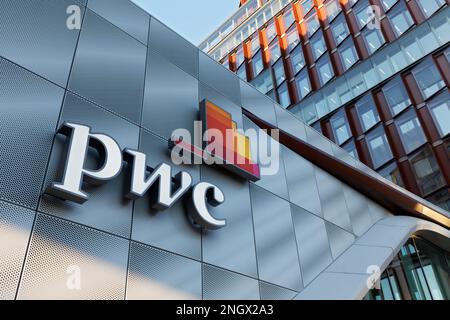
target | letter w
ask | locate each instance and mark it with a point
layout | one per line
(159, 182)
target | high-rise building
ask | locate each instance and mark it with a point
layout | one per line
(371, 75)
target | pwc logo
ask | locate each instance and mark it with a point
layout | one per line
(221, 143)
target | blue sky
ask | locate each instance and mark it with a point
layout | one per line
(193, 19)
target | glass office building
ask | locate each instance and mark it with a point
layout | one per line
(313, 220)
(374, 82)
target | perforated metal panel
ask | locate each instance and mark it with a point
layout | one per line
(220, 284)
(69, 261)
(15, 228)
(271, 292)
(29, 109)
(156, 274)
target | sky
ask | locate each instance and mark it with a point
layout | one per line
(193, 19)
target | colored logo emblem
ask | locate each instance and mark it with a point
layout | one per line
(223, 144)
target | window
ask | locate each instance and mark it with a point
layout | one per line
(263, 82)
(379, 148)
(396, 96)
(325, 70)
(367, 112)
(255, 43)
(351, 149)
(410, 130)
(275, 51)
(258, 64)
(242, 72)
(374, 39)
(428, 78)
(298, 61)
(339, 125)
(271, 32)
(289, 18)
(362, 13)
(430, 6)
(339, 29)
(283, 95)
(307, 5)
(392, 173)
(441, 198)
(303, 85)
(312, 24)
(318, 45)
(278, 70)
(387, 4)
(348, 53)
(400, 18)
(427, 172)
(239, 56)
(440, 109)
(292, 38)
(333, 8)
(226, 63)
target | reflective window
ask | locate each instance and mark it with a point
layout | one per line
(258, 64)
(339, 29)
(333, 8)
(271, 32)
(362, 12)
(303, 85)
(307, 5)
(440, 109)
(263, 82)
(400, 18)
(441, 199)
(367, 112)
(226, 62)
(275, 51)
(339, 125)
(374, 39)
(298, 61)
(242, 72)
(283, 95)
(278, 70)
(293, 38)
(430, 6)
(396, 96)
(392, 173)
(379, 148)
(427, 172)
(289, 18)
(239, 56)
(410, 130)
(387, 4)
(324, 69)
(348, 53)
(255, 43)
(351, 149)
(318, 45)
(312, 24)
(428, 78)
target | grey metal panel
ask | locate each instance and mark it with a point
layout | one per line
(60, 251)
(340, 240)
(171, 97)
(169, 229)
(155, 274)
(206, 92)
(219, 284)
(318, 140)
(29, 108)
(377, 212)
(392, 236)
(358, 259)
(15, 228)
(231, 247)
(34, 35)
(334, 207)
(343, 155)
(124, 14)
(257, 103)
(302, 186)
(312, 243)
(276, 248)
(109, 68)
(275, 183)
(288, 123)
(174, 47)
(358, 209)
(218, 77)
(82, 2)
(272, 292)
(106, 208)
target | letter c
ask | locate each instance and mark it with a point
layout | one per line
(202, 194)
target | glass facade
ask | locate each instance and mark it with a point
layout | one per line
(420, 271)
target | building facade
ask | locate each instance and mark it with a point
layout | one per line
(322, 220)
(375, 80)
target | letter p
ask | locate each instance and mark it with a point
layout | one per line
(74, 171)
